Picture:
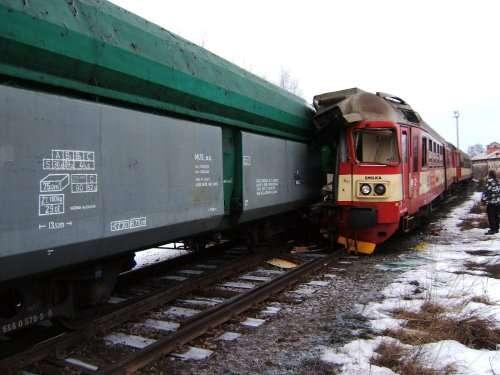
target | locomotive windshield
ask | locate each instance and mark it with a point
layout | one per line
(376, 146)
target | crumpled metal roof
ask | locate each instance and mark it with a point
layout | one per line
(357, 105)
(347, 107)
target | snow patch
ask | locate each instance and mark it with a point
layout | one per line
(439, 274)
(270, 310)
(229, 336)
(147, 257)
(354, 357)
(467, 360)
(318, 283)
(194, 354)
(181, 312)
(253, 322)
(161, 325)
(137, 342)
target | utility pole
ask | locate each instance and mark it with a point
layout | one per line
(456, 114)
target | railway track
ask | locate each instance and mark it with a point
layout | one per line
(249, 284)
(121, 309)
(126, 280)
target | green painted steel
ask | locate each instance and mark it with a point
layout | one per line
(229, 165)
(96, 48)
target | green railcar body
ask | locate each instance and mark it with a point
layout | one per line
(117, 136)
(100, 50)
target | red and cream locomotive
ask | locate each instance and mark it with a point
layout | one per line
(383, 165)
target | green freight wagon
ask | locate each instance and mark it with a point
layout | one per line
(117, 135)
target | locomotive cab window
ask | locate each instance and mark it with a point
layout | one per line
(376, 146)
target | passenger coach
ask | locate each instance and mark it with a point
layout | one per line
(389, 166)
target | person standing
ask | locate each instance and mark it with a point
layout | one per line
(491, 197)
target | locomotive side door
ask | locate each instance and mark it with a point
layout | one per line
(405, 167)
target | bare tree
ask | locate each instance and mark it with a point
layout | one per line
(475, 150)
(289, 83)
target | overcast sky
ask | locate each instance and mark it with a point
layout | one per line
(438, 55)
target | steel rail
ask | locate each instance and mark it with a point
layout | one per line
(121, 314)
(149, 271)
(213, 317)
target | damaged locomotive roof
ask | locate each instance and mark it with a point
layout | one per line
(354, 105)
(346, 107)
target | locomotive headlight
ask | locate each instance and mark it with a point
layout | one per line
(380, 189)
(365, 189)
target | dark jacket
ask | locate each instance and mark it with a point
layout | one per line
(491, 194)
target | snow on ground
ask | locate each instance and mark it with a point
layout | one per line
(354, 357)
(155, 255)
(438, 273)
(467, 360)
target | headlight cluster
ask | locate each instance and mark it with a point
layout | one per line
(366, 189)
(379, 189)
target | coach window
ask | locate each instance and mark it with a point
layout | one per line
(376, 146)
(415, 154)
(424, 151)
